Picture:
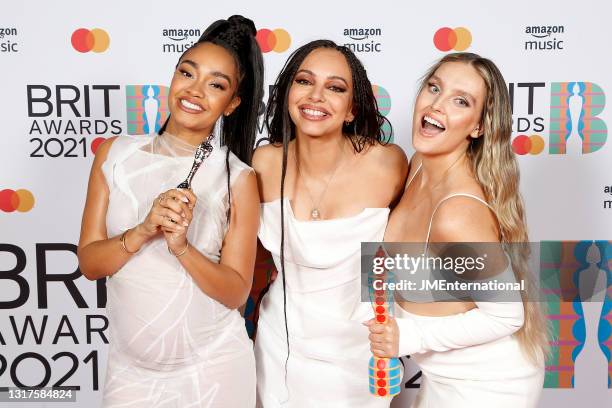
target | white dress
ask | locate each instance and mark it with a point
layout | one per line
(471, 359)
(328, 363)
(171, 345)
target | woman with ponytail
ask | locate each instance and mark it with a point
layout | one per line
(172, 222)
(464, 188)
(327, 180)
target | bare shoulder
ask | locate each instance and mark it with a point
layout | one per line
(102, 152)
(464, 219)
(245, 181)
(245, 188)
(390, 155)
(387, 159)
(267, 162)
(266, 157)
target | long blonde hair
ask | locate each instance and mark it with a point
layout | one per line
(495, 168)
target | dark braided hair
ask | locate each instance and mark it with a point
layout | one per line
(365, 129)
(238, 130)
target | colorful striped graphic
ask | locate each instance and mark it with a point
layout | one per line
(136, 99)
(560, 119)
(383, 99)
(561, 263)
(604, 331)
(591, 129)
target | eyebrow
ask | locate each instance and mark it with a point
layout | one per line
(462, 93)
(214, 73)
(329, 77)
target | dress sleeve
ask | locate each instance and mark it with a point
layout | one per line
(487, 322)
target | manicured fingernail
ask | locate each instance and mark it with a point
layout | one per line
(184, 199)
(185, 223)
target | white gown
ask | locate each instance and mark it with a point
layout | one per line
(328, 363)
(471, 359)
(171, 345)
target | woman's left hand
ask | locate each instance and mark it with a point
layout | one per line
(182, 200)
(384, 338)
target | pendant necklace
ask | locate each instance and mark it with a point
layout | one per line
(315, 213)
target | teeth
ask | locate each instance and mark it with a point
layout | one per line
(313, 112)
(433, 121)
(190, 105)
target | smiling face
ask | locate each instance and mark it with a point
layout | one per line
(448, 109)
(203, 88)
(321, 95)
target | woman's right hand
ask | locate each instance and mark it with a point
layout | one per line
(384, 338)
(167, 212)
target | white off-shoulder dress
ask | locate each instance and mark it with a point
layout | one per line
(329, 347)
(171, 345)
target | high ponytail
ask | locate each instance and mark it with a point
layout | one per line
(237, 36)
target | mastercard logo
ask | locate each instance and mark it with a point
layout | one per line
(20, 200)
(523, 144)
(95, 144)
(84, 40)
(277, 40)
(458, 39)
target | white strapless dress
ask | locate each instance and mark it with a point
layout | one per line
(328, 363)
(171, 345)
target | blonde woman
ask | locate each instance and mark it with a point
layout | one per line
(463, 187)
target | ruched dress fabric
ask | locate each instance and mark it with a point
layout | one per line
(329, 347)
(171, 345)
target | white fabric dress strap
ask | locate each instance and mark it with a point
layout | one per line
(449, 197)
(413, 176)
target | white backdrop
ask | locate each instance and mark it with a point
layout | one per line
(57, 102)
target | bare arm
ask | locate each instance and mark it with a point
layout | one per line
(99, 255)
(229, 281)
(458, 220)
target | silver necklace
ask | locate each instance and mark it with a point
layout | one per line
(315, 213)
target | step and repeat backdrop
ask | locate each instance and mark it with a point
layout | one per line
(75, 73)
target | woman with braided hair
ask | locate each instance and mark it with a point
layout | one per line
(176, 235)
(327, 180)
